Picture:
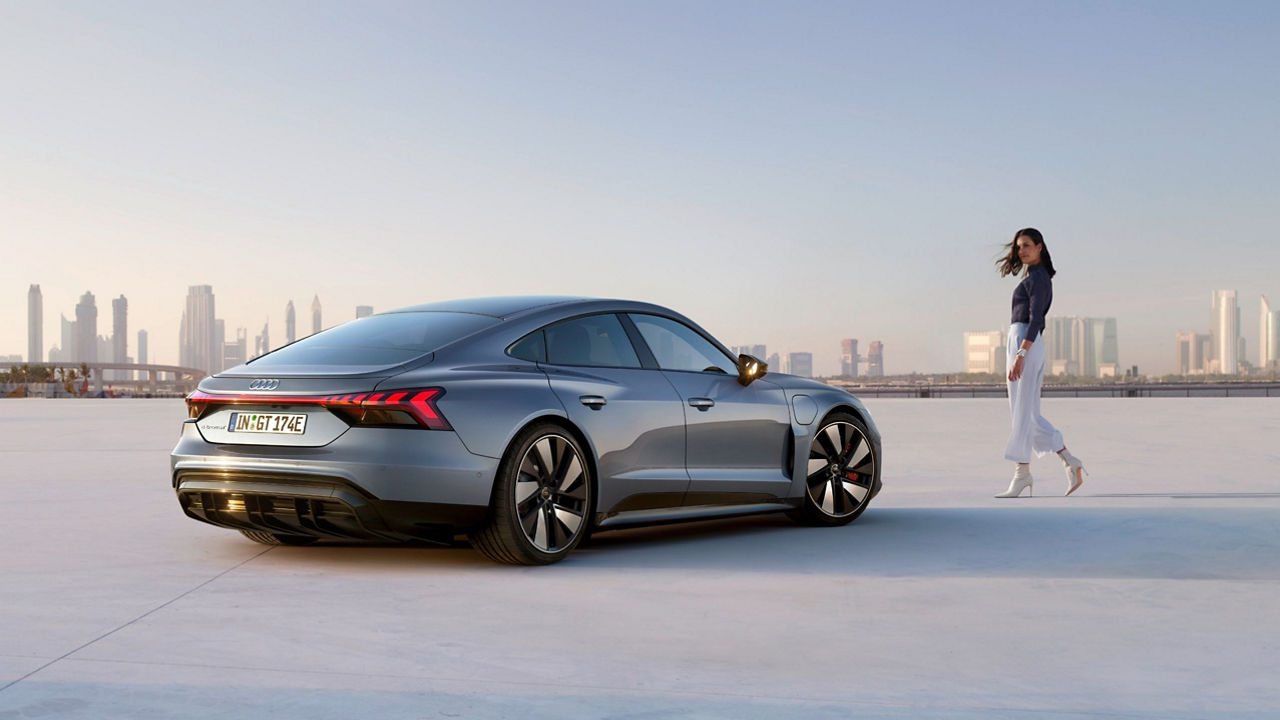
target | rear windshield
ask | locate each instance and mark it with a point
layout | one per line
(378, 340)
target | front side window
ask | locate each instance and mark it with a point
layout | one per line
(678, 347)
(594, 341)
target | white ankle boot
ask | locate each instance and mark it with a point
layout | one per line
(1075, 471)
(1021, 481)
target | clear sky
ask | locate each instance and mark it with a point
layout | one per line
(786, 173)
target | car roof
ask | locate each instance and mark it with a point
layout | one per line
(498, 307)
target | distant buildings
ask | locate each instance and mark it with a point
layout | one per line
(200, 347)
(757, 351)
(1225, 329)
(142, 347)
(363, 311)
(262, 342)
(984, 352)
(86, 329)
(1193, 353)
(849, 357)
(1082, 346)
(290, 323)
(35, 324)
(1269, 337)
(119, 329)
(315, 315)
(875, 359)
(800, 363)
(236, 352)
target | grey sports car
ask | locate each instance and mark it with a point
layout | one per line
(525, 423)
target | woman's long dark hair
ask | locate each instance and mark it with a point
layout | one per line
(1011, 264)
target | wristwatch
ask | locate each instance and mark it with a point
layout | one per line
(1022, 352)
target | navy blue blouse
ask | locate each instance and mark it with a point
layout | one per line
(1031, 301)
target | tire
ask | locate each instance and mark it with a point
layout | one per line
(542, 499)
(266, 538)
(841, 473)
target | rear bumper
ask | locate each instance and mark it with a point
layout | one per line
(371, 483)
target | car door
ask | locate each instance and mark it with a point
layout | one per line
(632, 416)
(737, 439)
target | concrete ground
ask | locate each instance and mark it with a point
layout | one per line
(1153, 592)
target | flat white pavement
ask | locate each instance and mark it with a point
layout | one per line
(1153, 592)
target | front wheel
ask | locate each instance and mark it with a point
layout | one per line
(840, 473)
(541, 499)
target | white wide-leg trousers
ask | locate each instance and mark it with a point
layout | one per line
(1031, 432)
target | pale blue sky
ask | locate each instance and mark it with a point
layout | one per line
(785, 173)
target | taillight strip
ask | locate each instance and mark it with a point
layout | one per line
(420, 404)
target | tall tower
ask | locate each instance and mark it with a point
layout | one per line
(315, 315)
(119, 330)
(1226, 331)
(875, 359)
(290, 323)
(199, 344)
(1269, 337)
(35, 325)
(849, 357)
(142, 347)
(87, 329)
(363, 311)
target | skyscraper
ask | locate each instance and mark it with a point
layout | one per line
(363, 311)
(984, 352)
(142, 347)
(35, 325)
(315, 315)
(800, 363)
(1225, 329)
(119, 329)
(220, 343)
(86, 329)
(290, 323)
(875, 359)
(849, 357)
(1269, 337)
(236, 352)
(200, 348)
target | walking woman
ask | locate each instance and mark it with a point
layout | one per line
(1026, 355)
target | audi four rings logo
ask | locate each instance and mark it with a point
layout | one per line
(264, 384)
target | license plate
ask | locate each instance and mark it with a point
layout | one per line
(277, 423)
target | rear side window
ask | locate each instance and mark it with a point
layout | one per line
(532, 347)
(595, 341)
(383, 340)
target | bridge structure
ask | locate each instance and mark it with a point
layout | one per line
(145, 377)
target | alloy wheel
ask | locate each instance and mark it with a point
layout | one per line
(551, 493)
(841, 469)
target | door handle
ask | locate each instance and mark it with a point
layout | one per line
(595, 402)
(703, 404)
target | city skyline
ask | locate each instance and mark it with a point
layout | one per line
(720, 159)
(1075, 345)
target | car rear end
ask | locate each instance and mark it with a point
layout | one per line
(316, 440)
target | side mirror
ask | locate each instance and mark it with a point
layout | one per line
(750, 368)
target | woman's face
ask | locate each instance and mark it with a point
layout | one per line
(1028, 251)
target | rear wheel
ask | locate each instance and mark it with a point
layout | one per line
(840, 473)
(267, 538)
(542, 499)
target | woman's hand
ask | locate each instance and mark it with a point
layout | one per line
(1015, 372)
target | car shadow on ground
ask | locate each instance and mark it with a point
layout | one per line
(1065, 542)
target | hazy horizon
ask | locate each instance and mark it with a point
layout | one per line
(784, 174)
